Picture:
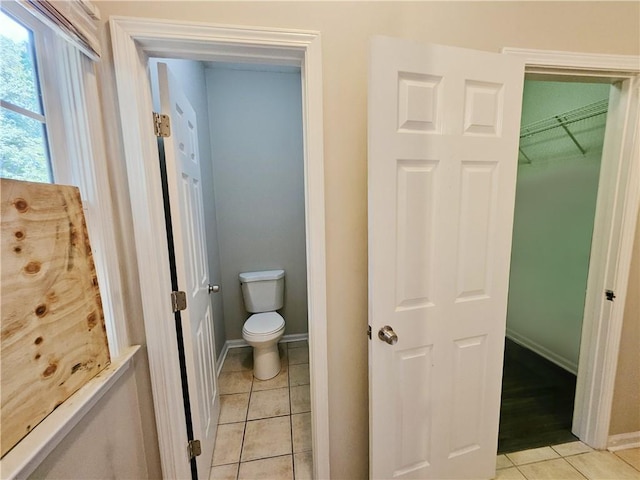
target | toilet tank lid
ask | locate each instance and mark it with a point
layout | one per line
(264, 275)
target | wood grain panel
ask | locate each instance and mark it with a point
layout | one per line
(52, 332)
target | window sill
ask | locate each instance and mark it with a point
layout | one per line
(25, 457)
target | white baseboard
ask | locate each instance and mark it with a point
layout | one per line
(623, 441)
(295, 337)
(221, 358)
(229, 344)
(553, 357)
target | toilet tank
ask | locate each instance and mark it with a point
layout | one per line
(262, 291)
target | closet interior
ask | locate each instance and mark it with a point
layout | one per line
(561, 141)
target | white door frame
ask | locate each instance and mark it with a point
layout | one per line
(614, 230)
(134, 40)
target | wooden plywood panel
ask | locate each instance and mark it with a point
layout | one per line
(53, 337)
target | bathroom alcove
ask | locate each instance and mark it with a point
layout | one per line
(250, 129)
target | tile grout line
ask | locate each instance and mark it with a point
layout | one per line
(624, 460)
(251, 392)
(243, 432)
(246, 420)
(574, 467)
(548, 460)
(293, 463)
(577, 468)
(520, 471)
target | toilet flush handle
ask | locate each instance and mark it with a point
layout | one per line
(213, 288)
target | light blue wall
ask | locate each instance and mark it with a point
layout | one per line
(554, 213)
(191, 76)
(258, 170)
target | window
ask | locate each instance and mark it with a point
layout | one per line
(51, 131)
(24, 150)
(51, 128)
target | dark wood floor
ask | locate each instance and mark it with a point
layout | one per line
(537, 401)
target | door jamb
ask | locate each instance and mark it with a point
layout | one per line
(613, 236)
(133, 41)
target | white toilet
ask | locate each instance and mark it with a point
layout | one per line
(263, 294)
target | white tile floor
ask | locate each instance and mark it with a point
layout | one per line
(264, 429)
(569, 461)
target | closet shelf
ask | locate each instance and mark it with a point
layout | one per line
(562, 121)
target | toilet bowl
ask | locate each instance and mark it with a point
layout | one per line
(263, 331)
(263, 294)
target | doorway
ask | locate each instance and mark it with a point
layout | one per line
(611, 246)
(248, 131)
(561, 141)
(405, 178)
(134, 41)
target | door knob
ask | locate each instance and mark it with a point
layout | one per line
(386, 334)
(213, 288)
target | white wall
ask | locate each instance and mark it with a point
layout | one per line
(625, 414)
(256, 141)
(107, 443)
(250, 142)
(191, 76)
(553, 225)
(594, 27)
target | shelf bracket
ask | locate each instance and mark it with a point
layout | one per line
(524, 155)
(582, 150)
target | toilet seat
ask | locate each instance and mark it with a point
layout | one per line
(263, 324)
(263, 331)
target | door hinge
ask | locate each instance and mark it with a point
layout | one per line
(610, 295)
(161, 125)
(369, 331)
(178, 301)
(194, 448)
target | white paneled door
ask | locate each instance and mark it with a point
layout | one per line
(443, 140)
(185, 198)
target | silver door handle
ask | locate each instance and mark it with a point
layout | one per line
(386, 334)
(213, 288)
